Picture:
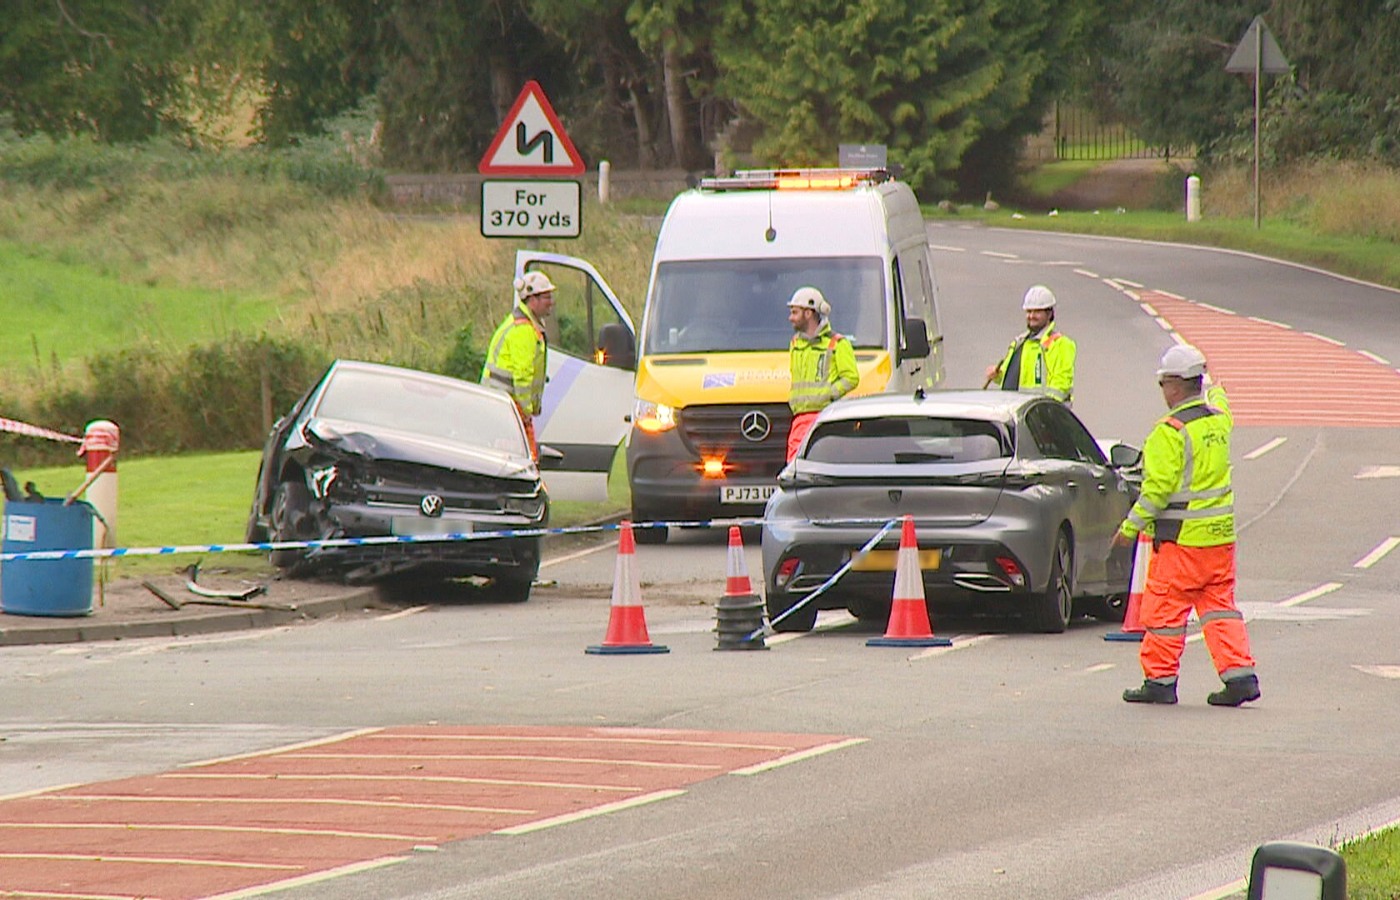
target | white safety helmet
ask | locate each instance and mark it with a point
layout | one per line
(532, 283)
(810, 298)
(1038, 297)
(1182, 361)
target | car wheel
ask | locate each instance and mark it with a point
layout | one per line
(1113, 608)
(1051, 611)
(779, 602)
(291, 514)
(513, 588)
(869, 610)
(649, 535)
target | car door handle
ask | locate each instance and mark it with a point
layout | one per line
(1072, 484)
(1103, 488)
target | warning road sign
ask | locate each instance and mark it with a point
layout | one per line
(531, 140)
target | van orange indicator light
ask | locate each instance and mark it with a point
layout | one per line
(712, 467)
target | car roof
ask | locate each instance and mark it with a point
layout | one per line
(994, 406)
(353, 365)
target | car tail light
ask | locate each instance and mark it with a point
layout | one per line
(1012, 570)
(786, 569)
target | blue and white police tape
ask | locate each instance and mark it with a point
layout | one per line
(382, 540)
(830, 582)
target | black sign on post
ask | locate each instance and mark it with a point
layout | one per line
(1257, 54)
(862, 156)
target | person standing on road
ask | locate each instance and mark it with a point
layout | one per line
(1042, 359)
(1187, 505)
(515, 361)
(823, 363)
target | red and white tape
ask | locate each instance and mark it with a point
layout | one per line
(14, 427)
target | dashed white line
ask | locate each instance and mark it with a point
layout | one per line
(589, 813)
(1373, 357)
(1166, 326)
(1379, 472)
(403, 613)
(1319, 591)
(1128, 283)
(1219, 309)
(959, 643)
(1376, 555)
(946, 249)
(1171, 295)
(1086, 273)
(799, 756)
(1101, 667)
(1322, 337)
(1381, 671)
(1271, 445)
(1150, 310)
(1001, 255)
(1270, 322)
(556, 560)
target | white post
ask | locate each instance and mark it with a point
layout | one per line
(604, 181)
(1193, 198)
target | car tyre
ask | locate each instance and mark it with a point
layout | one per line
(779, 602)
(869, 610)
(1051, 611)
(291, 510)
(513, 588)
(1113, 608)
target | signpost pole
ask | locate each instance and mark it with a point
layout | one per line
(1258, 107)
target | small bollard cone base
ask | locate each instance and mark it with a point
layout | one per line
(739, 613)
(909, 623)
(627, 623)
(1132, 630)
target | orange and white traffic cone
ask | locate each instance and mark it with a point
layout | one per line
(739, 613)
(627, 621)
(909, 624)
(1132, 629)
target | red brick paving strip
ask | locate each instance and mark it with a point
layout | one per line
(265, 818)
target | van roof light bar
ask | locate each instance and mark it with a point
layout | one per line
(796, 180)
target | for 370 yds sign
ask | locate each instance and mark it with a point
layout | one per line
(531, 209)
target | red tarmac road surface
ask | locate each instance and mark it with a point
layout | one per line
(354, 801)
(1275, 375)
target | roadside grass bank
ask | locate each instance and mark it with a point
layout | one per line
(201, 499)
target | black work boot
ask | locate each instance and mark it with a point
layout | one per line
(1151, 692)
(1237, 691)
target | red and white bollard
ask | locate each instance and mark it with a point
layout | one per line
(100, 442)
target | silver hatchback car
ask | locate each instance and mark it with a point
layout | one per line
(1014, 501)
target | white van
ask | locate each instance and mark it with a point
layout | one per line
(709, 426)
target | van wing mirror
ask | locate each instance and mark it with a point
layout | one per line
(617, 347)
(916, 345)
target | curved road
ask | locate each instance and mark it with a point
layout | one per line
(1006, 766)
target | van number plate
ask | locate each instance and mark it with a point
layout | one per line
(746, 493)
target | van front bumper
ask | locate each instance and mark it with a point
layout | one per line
(667, 483)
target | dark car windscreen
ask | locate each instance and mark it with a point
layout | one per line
(906, 440)
(741, 304)
(422, 407)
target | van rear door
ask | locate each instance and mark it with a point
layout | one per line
(592, 371)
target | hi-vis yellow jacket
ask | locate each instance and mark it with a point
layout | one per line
(1047, 365)
(1186, 493)
(823, 369)
(515, 362)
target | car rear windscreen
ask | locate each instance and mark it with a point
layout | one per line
(906, 440)
(719, 305)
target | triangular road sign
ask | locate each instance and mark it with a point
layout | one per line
(531, 140)
(1249, 53)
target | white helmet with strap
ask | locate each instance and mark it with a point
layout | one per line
(532, 283)
(1038, 297)
(810, 298)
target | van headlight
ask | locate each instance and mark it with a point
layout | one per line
(653, 418)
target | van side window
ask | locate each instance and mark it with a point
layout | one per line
(897, 282)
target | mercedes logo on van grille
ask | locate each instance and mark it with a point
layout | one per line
(431, 506)
(754, 426)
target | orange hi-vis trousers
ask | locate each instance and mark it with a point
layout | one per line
(1181, 579)
(801, 424)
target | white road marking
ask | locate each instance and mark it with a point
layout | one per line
(1323, 337)
(1086, 273)
(1379, 472)
(1063, 262)
(556, 560)
(1272, 612)
(1376, 555)
(799, 756)
(285, 748)
(947, 249)
(1150, 310)
(959, 643)
(1320, 591)
(403, 613)
(1133, 284)
(589, 813)
(1171, 295)
(1212, 308)
(1166, 326)
(1271, 445)
(1101, 667)
(1380, 671)
(827, 620)
(1001, 255)
(1270, 322)
(313, 878)
(1371, 356)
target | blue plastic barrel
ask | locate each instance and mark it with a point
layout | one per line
(46, 587)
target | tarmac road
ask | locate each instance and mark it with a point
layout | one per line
(1004, 767)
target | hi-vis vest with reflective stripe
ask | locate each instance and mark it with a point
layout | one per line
(1047, 365)
(1186, 493)
(515, 362)
(823, 370)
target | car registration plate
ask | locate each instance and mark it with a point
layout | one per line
(746, 493)
(421, 525)
(884, 561)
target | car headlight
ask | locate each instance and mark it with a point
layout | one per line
(529, 507)
(653, 418)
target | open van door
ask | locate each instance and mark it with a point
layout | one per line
(592, 374)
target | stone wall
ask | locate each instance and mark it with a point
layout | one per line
(465, 189)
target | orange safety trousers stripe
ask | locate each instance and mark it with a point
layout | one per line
(1181, 579)
(801, 424)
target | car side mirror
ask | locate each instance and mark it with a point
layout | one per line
(916, 345)
(550, 458)
(1124, 456)
(617, 347)
(787, 477)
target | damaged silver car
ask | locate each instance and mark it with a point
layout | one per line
(373, 450)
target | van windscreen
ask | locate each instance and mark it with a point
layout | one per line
(719, 305)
